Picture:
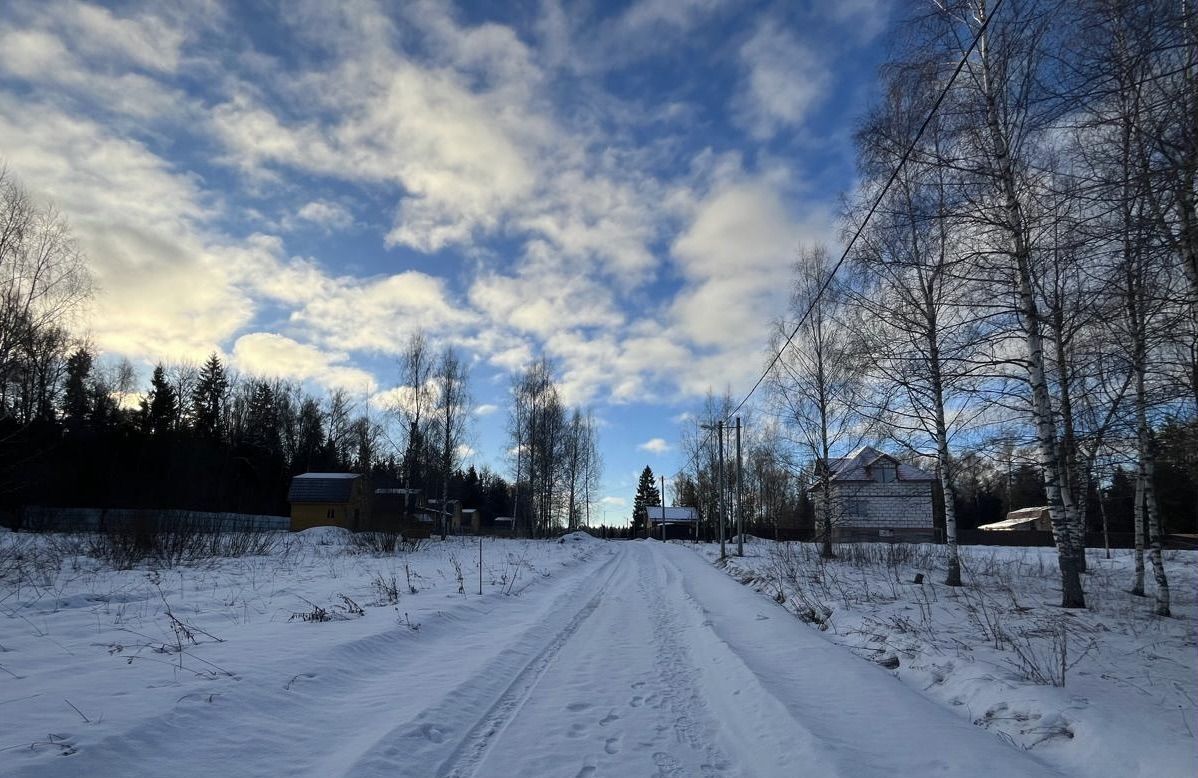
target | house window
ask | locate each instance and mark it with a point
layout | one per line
(885, 473)
(854, 508)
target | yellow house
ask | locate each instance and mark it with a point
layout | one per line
(327, 500)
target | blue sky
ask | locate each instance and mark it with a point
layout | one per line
(299, 185)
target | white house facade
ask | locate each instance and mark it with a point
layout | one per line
(873, 496)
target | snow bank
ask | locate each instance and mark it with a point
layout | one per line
(325, 536)
(579, 537)
(1109, 691)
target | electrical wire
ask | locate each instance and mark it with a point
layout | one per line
(857, 233)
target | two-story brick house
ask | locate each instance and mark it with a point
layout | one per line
(873, 496)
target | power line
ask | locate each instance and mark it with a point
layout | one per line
(877, 201)
(860, 228)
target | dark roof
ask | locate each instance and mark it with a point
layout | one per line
(322, 487)
(855, 466)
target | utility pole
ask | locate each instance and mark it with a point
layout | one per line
(720, 484)
(663, 508)
(740, 510)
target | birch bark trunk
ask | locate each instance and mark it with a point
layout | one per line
(1060, 503)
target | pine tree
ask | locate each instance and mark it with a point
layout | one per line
(647, 495)
(208, 400)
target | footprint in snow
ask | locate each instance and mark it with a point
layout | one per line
(574, 707)
(609, 718)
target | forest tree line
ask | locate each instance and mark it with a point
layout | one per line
(76, 430)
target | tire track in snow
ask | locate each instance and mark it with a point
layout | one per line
(429, 739)
(474, 746)
(677, 678)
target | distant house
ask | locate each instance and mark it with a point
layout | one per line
(1024, 519)
(873, 496)
(327, 500)
(679, 521)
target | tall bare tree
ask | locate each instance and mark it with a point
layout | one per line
(927, 320)
(817, 382)
(452, 413)
(412, 406)
(44, 281)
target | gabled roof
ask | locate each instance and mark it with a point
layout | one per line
(322, 487)
(855, 467)
(671, 513)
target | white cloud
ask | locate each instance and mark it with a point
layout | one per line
(864, 18)
(486, 409)
(166, 288)
(273, 355)
(330, 216)
(373, 314)
(784, 79)
(615, 502)
(657, 446)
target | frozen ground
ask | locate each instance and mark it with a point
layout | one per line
(581, 658)
(1112, 690)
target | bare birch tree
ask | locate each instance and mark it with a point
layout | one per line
(817, 382)
(451, 415)
(412, 407)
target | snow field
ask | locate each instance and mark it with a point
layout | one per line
(1109, 691)
(109, 668)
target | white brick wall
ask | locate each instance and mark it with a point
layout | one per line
(872, 505)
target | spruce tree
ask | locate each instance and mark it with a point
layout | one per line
(76, 402)
(208, 400)
(647, 494)
(262, 419)
(160, 408)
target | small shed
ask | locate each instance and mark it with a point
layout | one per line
(1024, 520)
(327, 500)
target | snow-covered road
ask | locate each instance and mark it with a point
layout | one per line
(667, 667)
(641, 660)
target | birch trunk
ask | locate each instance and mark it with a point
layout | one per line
(1071, 478)
(1059, 501)
(1147, 476)
(953, 576)
(1137, 587)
